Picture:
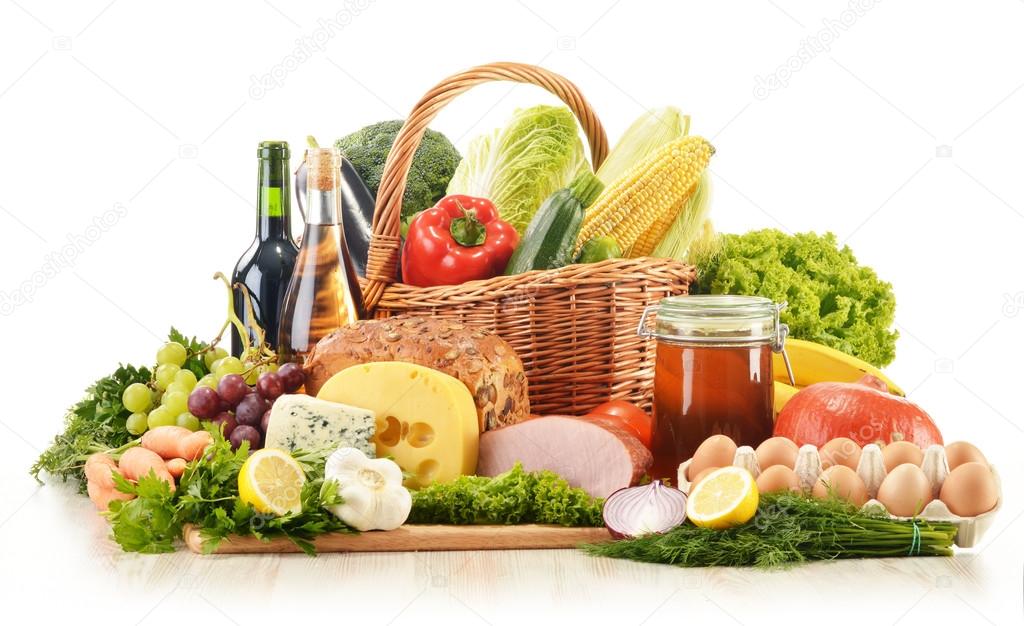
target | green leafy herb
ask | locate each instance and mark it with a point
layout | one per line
(788, 529)
(515, 497)
(95, 424)
(207, 497)
(147, 523)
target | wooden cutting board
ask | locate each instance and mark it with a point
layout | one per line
(415, 538)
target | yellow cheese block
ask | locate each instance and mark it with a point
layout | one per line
(426, 420)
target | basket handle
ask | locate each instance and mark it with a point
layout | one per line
(383, 254)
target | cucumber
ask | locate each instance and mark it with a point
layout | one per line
(551, 235)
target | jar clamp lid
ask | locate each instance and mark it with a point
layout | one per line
(718, 320)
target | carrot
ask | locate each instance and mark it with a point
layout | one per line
(172, 442)
(191, 447)
(98, 468)
(103, 496)
(138, 462)
(165, 440)
(99, 471)
(176, 467)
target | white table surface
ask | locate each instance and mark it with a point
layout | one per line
(57, 563)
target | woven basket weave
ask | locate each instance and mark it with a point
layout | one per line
(573, 327)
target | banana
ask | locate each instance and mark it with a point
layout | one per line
(815, 363)
(783, 392)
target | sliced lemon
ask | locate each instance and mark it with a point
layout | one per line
(271, 481)
(724, 498)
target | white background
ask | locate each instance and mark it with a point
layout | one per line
(900, 132)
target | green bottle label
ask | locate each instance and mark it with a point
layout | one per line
(270, 201)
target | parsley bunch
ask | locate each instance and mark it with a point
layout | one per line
(207, 497)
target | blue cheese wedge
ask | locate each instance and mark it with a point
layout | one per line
(302, 422)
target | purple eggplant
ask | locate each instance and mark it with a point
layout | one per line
(357, 204)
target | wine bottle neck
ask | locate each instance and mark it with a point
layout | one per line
(324, 206)
(323, 186)
(273, 200)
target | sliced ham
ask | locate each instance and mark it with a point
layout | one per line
(599, 457)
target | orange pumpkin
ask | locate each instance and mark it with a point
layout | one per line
(862, 411)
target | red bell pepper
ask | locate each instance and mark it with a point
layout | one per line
(458, 240)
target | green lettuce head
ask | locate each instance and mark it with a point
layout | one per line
(516, 167)
(833, 300)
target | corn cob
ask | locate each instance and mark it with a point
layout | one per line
(649, 238)
(638, 208)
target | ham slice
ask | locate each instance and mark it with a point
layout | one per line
(600, 457)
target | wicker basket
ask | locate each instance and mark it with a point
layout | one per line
(574, 327)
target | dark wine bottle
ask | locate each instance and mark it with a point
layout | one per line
(267, 265)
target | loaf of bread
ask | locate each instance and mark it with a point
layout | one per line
(482, 360)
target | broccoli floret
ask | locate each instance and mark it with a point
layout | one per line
(833, 300)
(432, 165)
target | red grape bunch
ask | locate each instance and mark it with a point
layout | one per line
(241, 411)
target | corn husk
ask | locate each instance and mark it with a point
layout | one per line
(689, 223)
(646, 134)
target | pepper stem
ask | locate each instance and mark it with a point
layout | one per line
(468, 231)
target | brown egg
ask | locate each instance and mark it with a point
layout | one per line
(778, 478)
(960, 452)
(776, 451)
(699, 477)
(715, 451)
(840, 451)
(970, 490)
(905, 490)
(900, 452)
(843, 482)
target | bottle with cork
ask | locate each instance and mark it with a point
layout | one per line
(323, 294)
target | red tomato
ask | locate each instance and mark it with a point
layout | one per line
(633, 419)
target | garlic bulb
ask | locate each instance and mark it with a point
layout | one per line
(374, 498)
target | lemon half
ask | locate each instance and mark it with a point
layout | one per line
(724, 498)
(271, 481)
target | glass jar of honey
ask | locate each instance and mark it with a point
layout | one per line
(712, 374)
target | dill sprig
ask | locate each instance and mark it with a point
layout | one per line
(788, 528)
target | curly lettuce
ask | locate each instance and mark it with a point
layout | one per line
(516, 167)
(832, 299)
(515, 497)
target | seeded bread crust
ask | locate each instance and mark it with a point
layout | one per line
(482, 360)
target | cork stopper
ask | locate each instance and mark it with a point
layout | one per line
(323, 165)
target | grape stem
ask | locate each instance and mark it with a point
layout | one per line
(255, 348)
(260, 363)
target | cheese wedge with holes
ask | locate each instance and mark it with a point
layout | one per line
(426, 420)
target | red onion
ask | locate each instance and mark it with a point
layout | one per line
(636, 511)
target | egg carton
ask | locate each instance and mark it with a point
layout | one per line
(871, 470)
